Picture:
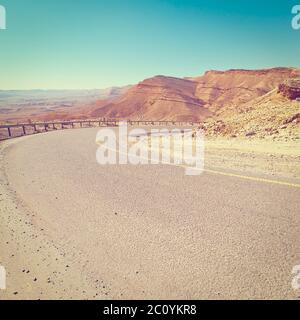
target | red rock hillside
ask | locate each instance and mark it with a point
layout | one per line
(168, 98)
(156, 98)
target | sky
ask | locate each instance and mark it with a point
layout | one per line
(85, 44)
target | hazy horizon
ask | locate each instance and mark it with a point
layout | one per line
(132, 84)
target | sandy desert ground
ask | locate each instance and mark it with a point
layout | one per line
(70, 228)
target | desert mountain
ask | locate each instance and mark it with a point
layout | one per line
(160, 97)
(233, 103)
(168, 98)
(235, 87)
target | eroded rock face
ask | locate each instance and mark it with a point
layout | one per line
(233, 94)
(193, 99)
(295, 118)
(290, 89)
(158, 98)
(236, 87)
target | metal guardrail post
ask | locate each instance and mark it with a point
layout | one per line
(101, 122)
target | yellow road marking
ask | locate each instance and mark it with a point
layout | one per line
(283, 183)
(240, 176)
(295, 185)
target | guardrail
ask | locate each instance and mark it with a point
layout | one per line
(37, 127)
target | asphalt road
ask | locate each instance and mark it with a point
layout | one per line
(150, 231)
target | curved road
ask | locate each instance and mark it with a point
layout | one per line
(152, 232)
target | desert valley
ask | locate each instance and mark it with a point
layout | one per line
(234, 103)
(149, 158)
(88, 231)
